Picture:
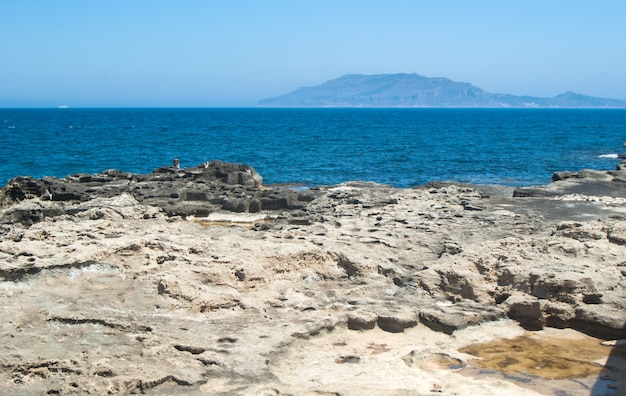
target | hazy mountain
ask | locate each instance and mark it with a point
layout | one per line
(413, 90)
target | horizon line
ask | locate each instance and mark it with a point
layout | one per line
(65, 108)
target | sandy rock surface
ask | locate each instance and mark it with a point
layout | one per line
(363, 289)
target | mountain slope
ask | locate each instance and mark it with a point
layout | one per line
(414, 90)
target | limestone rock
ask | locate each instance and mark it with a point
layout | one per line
(526, 310)
(447, 318)
(362, 320)
(201, 280)
(617, 233)
(398, 321)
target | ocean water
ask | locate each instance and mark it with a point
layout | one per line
(401, 147)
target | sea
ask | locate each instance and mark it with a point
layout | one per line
(312, 147)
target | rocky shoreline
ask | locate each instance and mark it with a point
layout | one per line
(203, 280)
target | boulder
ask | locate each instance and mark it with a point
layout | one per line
(526, 310)
(237, 205)
(230, 173)
(617, 233)
(362, 320)
(531, 193)
(395, 321)
(563, 175)
(600, 321)
(450, 317)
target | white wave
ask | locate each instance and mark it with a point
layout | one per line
(608, 156)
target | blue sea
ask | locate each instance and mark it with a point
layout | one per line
(309, 147)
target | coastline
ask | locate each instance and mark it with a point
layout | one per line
(203, 280)
(520, 154)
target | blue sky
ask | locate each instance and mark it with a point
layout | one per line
(204, 53)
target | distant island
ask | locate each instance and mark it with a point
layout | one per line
(414, 90)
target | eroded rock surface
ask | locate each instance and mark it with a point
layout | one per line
(115, 289)
(210, 187)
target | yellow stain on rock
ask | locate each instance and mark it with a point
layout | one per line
(549, 358)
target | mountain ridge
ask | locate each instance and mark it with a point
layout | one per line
(415, 90)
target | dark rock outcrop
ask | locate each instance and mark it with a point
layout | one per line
(197, 191)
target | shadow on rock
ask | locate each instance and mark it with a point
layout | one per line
(612, 381)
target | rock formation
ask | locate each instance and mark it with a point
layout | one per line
(202, 280)
(198, 191)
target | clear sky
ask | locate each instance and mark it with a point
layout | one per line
(204, 53)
